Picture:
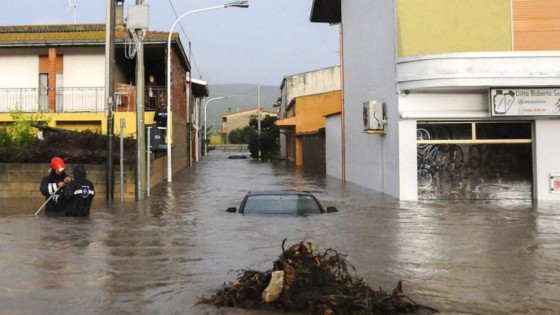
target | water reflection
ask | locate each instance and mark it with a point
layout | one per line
(158, 255)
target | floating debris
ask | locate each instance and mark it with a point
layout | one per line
(303, 280)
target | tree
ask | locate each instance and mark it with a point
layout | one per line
(269, 140)
(22, 133)
(241, 135)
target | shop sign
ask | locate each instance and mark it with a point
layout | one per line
(525, 102)
(555, 183)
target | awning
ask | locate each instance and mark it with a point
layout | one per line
(326, 11)
(199, 88)
(286, 122)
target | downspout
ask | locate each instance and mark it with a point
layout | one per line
(342, 119)
(192, 108)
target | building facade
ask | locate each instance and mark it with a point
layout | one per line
(307, 98)
(463, 94)
(59, 70)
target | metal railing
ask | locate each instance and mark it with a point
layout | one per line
(68, 99)
(72, 99)
(155, 97)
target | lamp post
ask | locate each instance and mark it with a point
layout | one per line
(235, 4)
(205, 127)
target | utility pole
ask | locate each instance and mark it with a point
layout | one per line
(141, 169)
(110, 92)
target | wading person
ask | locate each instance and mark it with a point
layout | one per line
(52, 184)
(78, 194)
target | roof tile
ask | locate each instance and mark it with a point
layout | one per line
(65, 32)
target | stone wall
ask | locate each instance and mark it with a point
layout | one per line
(23, 180)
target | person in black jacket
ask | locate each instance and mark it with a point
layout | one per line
(54, 183)
(78, 194)
(160, 119)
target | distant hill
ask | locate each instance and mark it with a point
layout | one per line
(238, 97)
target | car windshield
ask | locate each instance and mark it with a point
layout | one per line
(281, 204)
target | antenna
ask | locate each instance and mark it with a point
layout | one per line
(72, 6)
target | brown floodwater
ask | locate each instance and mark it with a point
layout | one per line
(158, 255)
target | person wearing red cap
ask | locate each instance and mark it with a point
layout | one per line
(53, 183)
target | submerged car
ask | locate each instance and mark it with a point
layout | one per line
(281, 202)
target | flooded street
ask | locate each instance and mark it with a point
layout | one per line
(158, 255)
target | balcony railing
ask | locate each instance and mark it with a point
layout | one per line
(77, 99)
(68, 99)
(155, 98)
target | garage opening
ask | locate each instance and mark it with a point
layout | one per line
(474, 160)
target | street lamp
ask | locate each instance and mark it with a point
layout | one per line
(205, 127)
(235, 4)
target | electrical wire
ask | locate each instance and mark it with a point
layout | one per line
(130, 46)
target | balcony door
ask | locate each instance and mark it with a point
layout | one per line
(59, 93)
(44, 92)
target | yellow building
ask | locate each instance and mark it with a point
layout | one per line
(59, 70)
(307, 99)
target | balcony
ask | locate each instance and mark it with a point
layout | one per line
(77, 99)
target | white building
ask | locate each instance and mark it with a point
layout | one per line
(452, 81)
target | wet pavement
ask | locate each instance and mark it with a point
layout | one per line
(158, 255)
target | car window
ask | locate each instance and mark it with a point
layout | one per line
(281, 204)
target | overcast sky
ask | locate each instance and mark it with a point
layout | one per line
(260, 44)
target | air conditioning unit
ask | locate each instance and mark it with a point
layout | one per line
(374, 118)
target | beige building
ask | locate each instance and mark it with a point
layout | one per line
(240, 119)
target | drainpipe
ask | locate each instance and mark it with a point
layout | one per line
(342, 119)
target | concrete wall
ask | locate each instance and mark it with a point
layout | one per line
(312, 82)
(546, 153)
(369, 44)
(333, 146)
